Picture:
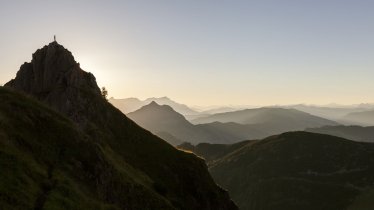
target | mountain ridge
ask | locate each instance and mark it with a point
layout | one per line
(54, 78)
(164, 121)
(354, 132)
(363, 118)
(269, 119)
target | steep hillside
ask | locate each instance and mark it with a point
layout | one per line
(48, 163)
(175, 180)
(299, 170)
(356, 133)
(270, 120)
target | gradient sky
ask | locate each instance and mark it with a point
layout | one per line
(205, 52)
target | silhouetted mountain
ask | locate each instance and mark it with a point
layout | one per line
(356, 133)
(365, 118)
(269, 120)
(297, 170)
(173, 127)
(163, 121)
(96, 159)
(128, 105)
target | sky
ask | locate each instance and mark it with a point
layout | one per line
(205, 52)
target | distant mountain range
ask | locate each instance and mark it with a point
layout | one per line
(331, 112)
(231, 132)
(295, 170)
(360, 114)
(354, 132)
(173, 127)
(270, 120)
(365, 118)
(128, 105)
(165, 122)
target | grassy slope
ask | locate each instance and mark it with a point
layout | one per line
(47, 163)
(298, 170)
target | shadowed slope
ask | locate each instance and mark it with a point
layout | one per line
(56, 79)
(48, 163)
(298, 170)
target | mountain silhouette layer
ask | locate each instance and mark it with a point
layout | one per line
(364, 118)
(270, 120)
(128, 105)
(165, 122)
(354, 132)
(72, 149)
(294, 170)
(335, 113)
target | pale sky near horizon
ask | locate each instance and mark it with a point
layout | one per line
(205, 52)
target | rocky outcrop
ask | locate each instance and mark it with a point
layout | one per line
(53, 76)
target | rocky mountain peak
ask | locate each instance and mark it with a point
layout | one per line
(53, 76)
(52, 67)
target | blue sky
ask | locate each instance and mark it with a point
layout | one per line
(205, 52)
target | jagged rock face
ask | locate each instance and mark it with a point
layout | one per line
(53, 76)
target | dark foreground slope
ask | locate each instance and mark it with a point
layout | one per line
(47, 163)
(101, 156)
(298, 170)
